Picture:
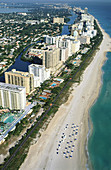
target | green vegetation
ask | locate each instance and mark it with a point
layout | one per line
(19, 31)
(66, 20)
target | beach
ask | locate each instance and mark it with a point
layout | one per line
(50, 151)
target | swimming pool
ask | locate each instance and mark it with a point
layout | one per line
(10, 119)
(54, 84)
(42, 97)
(58, 80)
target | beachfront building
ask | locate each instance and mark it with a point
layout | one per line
(61, 42)
(94, 33)
(84, 39)
(58, 20)
(20, 78)
(89, 33)
(40, 73)
(75, 46)
(86, 17)
(69, 42)
(51, 58)
(12, 96)
(63, 54)
(88, 25)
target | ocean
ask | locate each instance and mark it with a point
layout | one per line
(99, 143)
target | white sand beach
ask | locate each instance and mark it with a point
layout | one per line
(44, 154)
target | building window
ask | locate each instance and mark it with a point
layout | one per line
(21, 81)
(12, 79)
(15, 80)
(9, 79)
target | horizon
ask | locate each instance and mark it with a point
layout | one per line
(48, 1)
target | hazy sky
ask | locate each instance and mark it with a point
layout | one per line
(29, 1)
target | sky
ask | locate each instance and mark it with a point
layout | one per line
(30, 1)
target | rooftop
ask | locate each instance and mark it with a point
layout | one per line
(36, 65)
(26, 74)
(11, 87)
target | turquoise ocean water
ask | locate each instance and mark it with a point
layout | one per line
(99, 143)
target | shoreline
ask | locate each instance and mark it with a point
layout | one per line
(88, 120)
(42, 155)
(90, 125)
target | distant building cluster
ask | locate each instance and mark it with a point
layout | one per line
(84, 27)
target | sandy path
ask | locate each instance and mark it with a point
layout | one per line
(42, 155)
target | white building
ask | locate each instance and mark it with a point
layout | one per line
(85, 17)
(90, 33)
(12, 96)
(40, 73)
(32, 22)
(65, 44)
(94, 33)
(84, 39)
(75, 34)
(63, 54)
(58, 20)
(69, 42)
(75, 46)
(49, 40)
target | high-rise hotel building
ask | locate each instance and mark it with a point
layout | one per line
(12, 96)
(40, 73)
(51, 58)
(20, 78)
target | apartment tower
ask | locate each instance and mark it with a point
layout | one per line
(20, 78)
(12, 96)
